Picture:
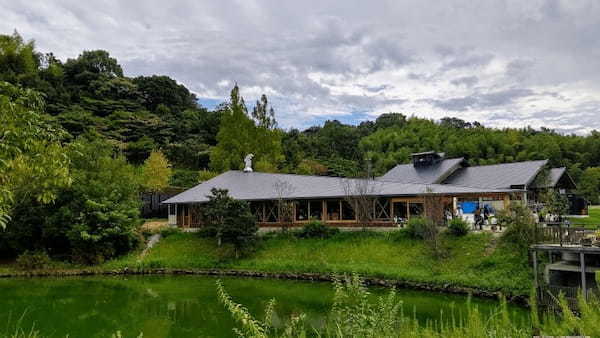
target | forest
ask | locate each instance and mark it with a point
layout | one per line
(70, 126)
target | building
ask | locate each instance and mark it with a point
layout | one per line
(397, 196)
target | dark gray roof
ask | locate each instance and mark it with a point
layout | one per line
(497, 176)
(262, 186)
(435, 173)
(555, 175)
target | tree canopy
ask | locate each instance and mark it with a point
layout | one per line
(138, 115)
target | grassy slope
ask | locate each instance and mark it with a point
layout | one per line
(473, 260)
(592, 221)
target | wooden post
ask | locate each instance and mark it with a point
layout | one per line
(506, 201)
(454, 206)
(582, 264)
(535, 269)
(324, 210)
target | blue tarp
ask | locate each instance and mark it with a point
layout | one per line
(469, 207)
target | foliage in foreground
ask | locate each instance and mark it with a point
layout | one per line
(353, 315)
(33, 164)
(93, 219)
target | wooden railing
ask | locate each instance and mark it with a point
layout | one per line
(559, 234)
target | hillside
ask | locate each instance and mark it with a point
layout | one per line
(91, 94)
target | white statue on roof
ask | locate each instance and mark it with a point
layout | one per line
(248, 163)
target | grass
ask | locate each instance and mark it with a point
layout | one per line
(590, 222)
(472, 261)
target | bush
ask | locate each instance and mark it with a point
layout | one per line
(316, 229)
(33, 260)
(417, 227)
(168, 231)
(458, 227)
(520, 225)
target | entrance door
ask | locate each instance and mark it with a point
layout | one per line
(400, 211)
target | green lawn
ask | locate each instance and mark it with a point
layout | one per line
(473, 261)
(592, 221)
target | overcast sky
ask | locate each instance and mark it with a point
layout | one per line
(503, 63)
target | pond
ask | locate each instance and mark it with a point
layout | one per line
(183, 306)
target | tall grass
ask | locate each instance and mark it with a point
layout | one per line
(353, 315)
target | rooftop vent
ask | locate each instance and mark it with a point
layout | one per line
(427, 158)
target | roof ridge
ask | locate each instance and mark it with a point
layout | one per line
(288, 174)
(507, 163)
(444, 159)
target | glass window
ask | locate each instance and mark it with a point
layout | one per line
(316, 210)
(302, 210)
(400, 210)
(347, 211)
(415, 209)
(333, 210)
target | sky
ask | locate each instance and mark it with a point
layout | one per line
(502, 63)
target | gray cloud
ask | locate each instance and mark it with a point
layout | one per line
(461, 61)
(483, 100)
(318, 59)
(468, 81)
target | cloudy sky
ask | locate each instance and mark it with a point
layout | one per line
(503, 63)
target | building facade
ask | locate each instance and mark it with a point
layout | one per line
(431, 183)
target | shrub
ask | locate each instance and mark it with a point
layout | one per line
(427, 230)
(458, 227)
(33, 260)
(520, 225)
(316, 229)
(417, 227)
(168, 231)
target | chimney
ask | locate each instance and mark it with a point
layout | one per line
(248, 163)
(427, 158)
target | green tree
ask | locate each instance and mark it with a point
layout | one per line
(230, 220)
(89, 65)
(239, 136)
(263, 114)
(19, 62)
(156, 172)
(104, 201)
(205, 175)
(589, 185)
(162, 90)
(33, 164)
(94, 219)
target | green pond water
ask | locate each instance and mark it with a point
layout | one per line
(184, 306)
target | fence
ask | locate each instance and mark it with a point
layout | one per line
(557, 234)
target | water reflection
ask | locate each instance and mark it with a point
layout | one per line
(180, 306)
